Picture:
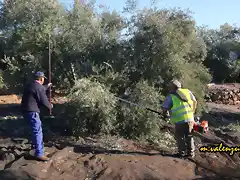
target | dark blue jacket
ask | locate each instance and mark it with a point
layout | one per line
(34, 96)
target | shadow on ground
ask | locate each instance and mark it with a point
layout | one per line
(221, 119)
(15, 175)
(13, 125)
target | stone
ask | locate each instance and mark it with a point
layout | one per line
(2, 153)
(25, 141)
(6, 143)
(31, 152)
(21, 146)
(17, 153)
(3, 150)
(3, 146)
(20, 140)
(9, 157)
(2, 165)
(12, 147)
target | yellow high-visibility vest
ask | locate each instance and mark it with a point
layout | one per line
(181, 111)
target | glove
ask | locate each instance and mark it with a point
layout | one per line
(167, 120)
(51, 105)
(49, 84)
(166, 116)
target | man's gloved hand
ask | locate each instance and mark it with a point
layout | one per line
(49, 85)
(51, 105)
(166, 117)
(167, 120)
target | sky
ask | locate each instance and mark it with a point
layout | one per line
(212, 13)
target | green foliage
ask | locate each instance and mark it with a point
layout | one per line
(135, 122)
(219, 45)
(91, 108)
(196, 80)
(233, 126)
(116, 81)
(79, 37)
(167, 49)
(1, 81)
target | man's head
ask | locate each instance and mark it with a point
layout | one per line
(174, 85)
(39, 76)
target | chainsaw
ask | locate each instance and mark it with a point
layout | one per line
(201, 127)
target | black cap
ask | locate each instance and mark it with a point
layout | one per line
(40, 74)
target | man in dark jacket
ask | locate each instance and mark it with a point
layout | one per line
(34, 96)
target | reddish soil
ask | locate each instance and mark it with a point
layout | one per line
(10, 99)
(66, 164)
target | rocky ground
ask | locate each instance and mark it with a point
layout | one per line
(112, 157)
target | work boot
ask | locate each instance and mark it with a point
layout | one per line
(42, 158)
(179, 155)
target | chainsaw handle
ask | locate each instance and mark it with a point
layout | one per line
(153, 111)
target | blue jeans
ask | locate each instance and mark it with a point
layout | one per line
(37, 135)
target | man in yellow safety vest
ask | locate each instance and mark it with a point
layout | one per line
(181, 105)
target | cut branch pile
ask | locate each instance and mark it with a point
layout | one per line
(224, 96)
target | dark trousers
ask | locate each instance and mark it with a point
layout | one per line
(184, 138)
(37, 135)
